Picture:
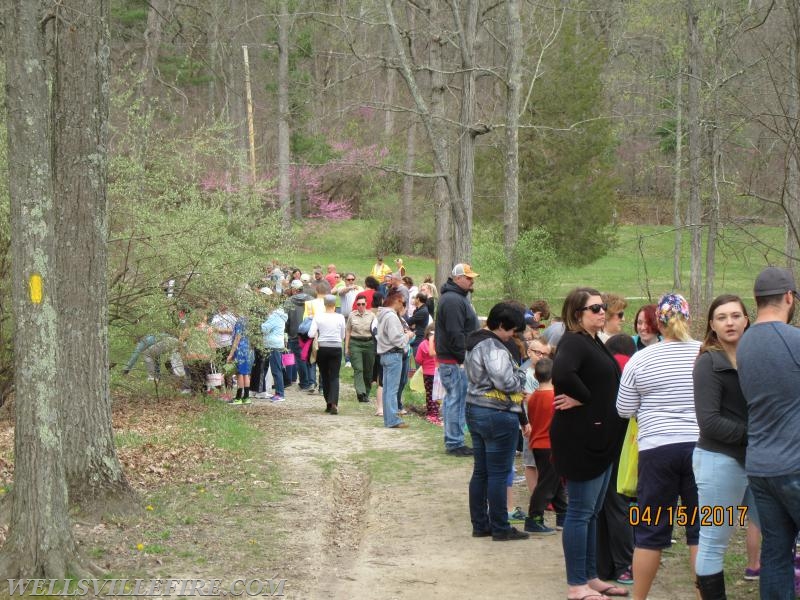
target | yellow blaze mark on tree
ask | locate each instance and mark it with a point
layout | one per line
(35, 288)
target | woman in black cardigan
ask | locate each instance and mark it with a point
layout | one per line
(586, 436)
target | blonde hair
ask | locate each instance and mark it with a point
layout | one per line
(677, 328)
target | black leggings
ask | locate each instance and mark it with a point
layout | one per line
(329, 362)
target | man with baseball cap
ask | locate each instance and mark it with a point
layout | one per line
(768, 361)
(455, 319)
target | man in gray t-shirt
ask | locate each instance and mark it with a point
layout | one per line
(768, 360)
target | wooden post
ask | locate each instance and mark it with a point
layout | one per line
(250, 128)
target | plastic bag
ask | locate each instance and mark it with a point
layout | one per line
(628, 475)
(417, 382)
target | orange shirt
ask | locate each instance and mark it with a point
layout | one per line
(540, 415)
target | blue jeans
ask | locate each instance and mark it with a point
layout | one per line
(392, 363)
(454, 380)
(721, 481)
(579, 538)
(299, 363)
(276, 368)
(494, 439)
(778, 502)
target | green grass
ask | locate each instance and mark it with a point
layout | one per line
(638, 267)
(224, 428)
(390, 465)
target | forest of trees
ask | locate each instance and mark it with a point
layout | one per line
(149, 141)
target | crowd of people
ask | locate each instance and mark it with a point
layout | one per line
(718, 442)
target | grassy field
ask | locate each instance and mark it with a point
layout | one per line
(639, 266)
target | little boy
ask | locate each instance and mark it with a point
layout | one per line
(548, 488)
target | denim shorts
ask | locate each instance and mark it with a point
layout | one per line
(665, 474)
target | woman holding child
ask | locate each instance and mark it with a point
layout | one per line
(585, 436)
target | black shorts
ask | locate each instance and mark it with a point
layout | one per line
(665, 473)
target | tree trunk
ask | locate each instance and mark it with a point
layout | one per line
(693, 118)
(792, 195)
(715, 156)
(513, 95)
(407, 200)
(406, 217)
(676, 192)
(152, 42)
(39, 541)
(284, 196)
(80, 143)
(461, 208)
(435, 132)
(445, 258)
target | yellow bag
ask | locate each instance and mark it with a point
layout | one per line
(628, 475)
(417, 382)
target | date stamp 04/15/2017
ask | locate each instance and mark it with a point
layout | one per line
(685, 516)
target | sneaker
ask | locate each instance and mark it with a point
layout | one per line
(277, 398)
(236, 402)
(511, 534)
(560, 518)
(517, 515)
(486, 533)
(247, 400)
(461, 451)
(626, 577)
(434, 421)
(347, 365)
(536, 526)
(312, 390)
(752, 574)
(519, 479)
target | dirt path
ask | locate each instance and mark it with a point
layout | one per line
(382, 514)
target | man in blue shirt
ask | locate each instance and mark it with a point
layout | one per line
(768, 360)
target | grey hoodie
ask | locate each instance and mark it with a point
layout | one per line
(390, 334)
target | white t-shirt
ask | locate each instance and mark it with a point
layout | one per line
(328, 328)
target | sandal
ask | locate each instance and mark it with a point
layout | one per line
(592, 596)
(613, 590)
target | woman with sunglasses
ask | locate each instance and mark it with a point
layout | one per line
(586, 435)
(657, 389)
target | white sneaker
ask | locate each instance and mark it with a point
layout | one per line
(347, 365)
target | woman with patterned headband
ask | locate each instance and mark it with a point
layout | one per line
(657, 388)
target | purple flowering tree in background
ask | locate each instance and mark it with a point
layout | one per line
(329, 191)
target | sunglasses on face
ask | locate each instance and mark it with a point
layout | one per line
(595, 308)
(349, 279)
(361, 303)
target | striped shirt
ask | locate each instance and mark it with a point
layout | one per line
(657, 388)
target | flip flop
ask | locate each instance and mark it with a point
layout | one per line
(592, 596)
(613, 590)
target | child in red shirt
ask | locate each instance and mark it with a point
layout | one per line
(549, 487)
